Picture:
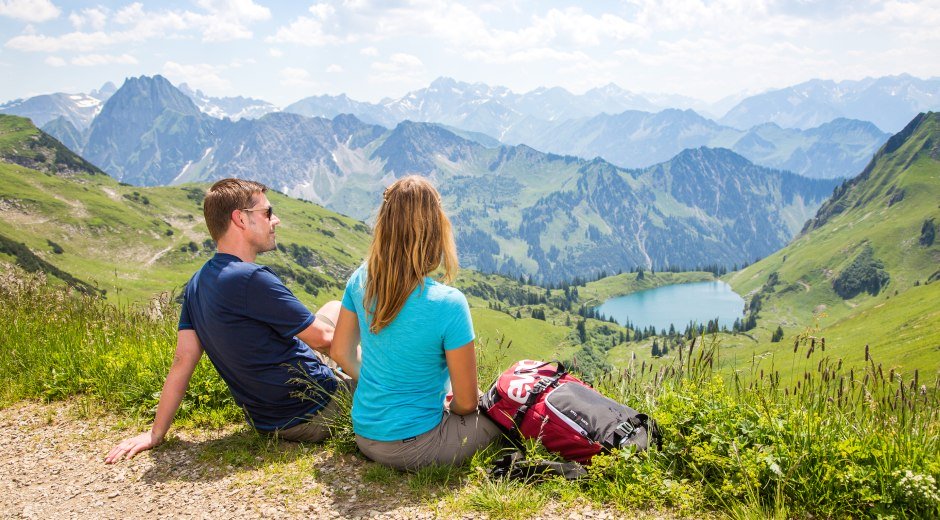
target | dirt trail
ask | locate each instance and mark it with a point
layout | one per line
(52, 468)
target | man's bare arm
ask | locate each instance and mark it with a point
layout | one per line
(188, 352)
(319, 335)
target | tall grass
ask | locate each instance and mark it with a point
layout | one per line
(58, 343)
(834, 442)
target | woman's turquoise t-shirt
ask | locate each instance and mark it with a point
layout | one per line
(403, 377)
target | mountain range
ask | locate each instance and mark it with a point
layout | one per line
(889, 102)
(798, 128)
(633, 139)
(702, 200)
(234, 108)
(78, 109)
(609, 122)
(517, 210)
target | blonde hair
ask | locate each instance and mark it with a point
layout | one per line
(224, 197)
(412, 237)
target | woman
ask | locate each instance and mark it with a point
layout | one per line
(416, 333)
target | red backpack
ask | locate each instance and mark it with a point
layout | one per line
(536, 401)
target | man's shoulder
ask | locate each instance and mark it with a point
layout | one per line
(229, 273)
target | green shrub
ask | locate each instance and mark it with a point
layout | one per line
(865, 273)
(927, 233)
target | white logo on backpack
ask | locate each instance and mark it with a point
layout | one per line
(521, 384)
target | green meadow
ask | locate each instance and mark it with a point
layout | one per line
(839, 442)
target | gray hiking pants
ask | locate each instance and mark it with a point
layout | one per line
(453, 440)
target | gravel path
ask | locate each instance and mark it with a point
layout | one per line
(51, 467)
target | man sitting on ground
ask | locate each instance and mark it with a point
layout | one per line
(255, 332)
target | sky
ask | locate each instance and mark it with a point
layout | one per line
(283, 51)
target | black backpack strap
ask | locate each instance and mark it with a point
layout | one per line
(543, 384)
(514, 466)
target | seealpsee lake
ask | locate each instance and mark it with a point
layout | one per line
(678, 305)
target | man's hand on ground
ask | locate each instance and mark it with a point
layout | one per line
(132, 446)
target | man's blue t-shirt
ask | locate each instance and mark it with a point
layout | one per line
(403, 377)
(246, 320)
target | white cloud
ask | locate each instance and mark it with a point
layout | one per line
(54, 61)
(228, 19)
(94, 18)
(74, 41)
(369, 51)
(296, 77)
(400, 68)
(222, 20)
(274, 52)
(334, 68)
(399, 62)
(527, 56)
(575, 27)
(322, 11)
(91, 60)
(201, 76)
(29, 10)
(310, 32)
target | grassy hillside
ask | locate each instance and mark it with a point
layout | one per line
(887, 210)
(132, 242)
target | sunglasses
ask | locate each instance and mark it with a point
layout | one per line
(269, 211)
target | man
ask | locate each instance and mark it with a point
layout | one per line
(255, 332)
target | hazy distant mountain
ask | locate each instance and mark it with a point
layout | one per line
(629, 139)
(66, 133)
(234, 108)
(606, 122)
(78, 109)
(148, 131)
(889, 102)
(840, 148)
(476, 106)
(635, 139)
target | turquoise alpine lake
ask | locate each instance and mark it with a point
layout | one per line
(677, 305)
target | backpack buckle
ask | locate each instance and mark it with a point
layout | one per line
(624, 431)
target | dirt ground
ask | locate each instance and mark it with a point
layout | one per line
(51, 466)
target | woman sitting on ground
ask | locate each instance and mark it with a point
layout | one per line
(416, 333)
